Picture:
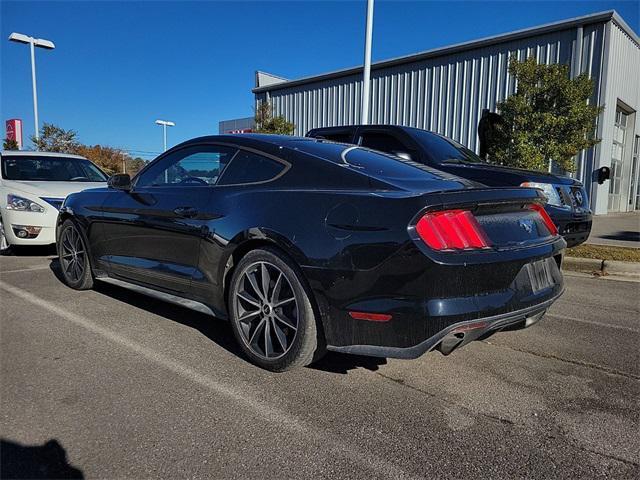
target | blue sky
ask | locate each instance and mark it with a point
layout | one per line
(120, 65)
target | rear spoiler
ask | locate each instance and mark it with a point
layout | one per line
(481, 198)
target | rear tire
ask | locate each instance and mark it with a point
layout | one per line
(271, 312)
(73, 256)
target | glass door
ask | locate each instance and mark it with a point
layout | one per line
(617, 156)
(634, 190)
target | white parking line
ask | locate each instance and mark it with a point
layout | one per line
(265, 411)
(591, 322)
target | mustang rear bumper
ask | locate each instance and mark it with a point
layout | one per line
(429, 305)
(456, 335)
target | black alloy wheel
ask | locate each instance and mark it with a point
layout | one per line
(271, 312)
(74, 258)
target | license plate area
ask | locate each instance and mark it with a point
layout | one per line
(540, 275)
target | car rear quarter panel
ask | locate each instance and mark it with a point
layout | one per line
(331, 229)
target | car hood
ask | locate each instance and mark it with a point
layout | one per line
(50, 189)
(515, 176)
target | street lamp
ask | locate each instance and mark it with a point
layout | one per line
(367, 64)
(165, 124)
(33, 43)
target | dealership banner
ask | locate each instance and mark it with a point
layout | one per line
(14, 131)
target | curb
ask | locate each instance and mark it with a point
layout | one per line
(602, 267)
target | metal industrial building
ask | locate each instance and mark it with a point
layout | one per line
(446, 89)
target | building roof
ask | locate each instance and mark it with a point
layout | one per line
(275, 82)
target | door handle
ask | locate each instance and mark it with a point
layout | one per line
(185, 212)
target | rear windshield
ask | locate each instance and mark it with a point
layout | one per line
(370, 162)
(50, 169)
(443, 150)
(380, 164)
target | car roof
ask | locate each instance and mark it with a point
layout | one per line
(270, 143)
(380, 126)
(29, 153)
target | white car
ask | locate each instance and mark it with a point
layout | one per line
(33, 186)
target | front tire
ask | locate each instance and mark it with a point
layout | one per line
(74, 257)
(271, 312)
(5, 247)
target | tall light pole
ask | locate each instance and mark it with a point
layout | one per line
(367, 64)
(165, 124)
(33, 43)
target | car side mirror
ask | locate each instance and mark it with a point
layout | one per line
(120, 181)
(603, 173)
(403, 155)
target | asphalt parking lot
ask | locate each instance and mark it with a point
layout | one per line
(108, 383)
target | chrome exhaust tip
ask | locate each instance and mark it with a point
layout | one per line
(534, 319)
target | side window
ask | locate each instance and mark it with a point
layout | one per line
(334, 135)
(338, 137)
(193, 166)
(248, 167)
(382, 142)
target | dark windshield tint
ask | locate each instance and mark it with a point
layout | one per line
(50, 169)
(442, 150)
(327, 150)
(386, 166)
(367, 161)
(383, 142)
(248, 167)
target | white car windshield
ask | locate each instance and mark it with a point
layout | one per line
(54, 169)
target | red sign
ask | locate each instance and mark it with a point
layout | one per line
(14, 131)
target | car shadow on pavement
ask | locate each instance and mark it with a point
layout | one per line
(216, 330)
(627, 236)
(335, 362)
(32, 251)
(45, 461)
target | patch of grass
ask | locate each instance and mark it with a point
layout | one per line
(605, 252)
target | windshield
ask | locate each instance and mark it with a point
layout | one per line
(443, 150)
(50, 169)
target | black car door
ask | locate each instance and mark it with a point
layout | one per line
(152, 233)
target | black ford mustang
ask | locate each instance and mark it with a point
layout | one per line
(307, 245)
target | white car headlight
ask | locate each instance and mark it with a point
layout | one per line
(553, 197)
(14, 202)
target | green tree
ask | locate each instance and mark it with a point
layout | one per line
(134, 165)
(267, 123)
(548, 118)
(10, 144)
(108, 158)
(56, 139)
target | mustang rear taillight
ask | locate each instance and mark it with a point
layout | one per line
(452, 230)
(553, 230)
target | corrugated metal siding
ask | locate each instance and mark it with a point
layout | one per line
(445, 94)
(622, 83)
(588, 59)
